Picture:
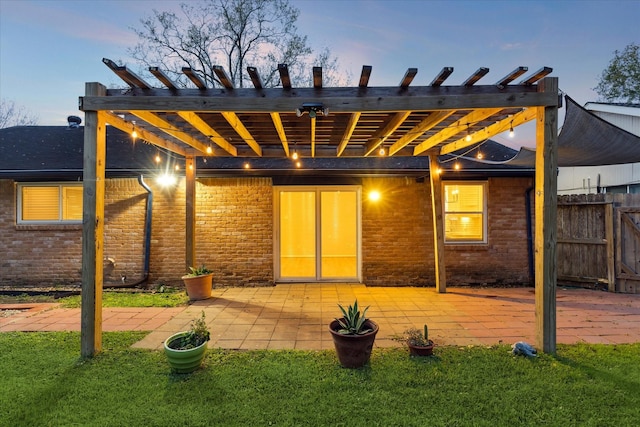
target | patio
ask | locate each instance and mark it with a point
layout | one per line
(296, 316)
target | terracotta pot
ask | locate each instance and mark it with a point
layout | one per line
(198, 287)
(353, 351)
(419, 350)
(184, 361)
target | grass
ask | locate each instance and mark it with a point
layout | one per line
(44, 383)
(168, 298)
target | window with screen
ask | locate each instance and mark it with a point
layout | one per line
(49, 203)
(465, 212)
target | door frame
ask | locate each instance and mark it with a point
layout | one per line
(276, 234)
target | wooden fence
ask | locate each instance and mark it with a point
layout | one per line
(599, 241)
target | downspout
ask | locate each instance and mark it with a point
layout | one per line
(147, 239)
(147, 230)
(527, 201)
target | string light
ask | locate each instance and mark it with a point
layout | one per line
(177, 167)
(456, 166)
(134, 134)
(468, 137)
(298, 164)
(479, 156)
(246, 165)
(382, 151)
(157, 158)
(209, 150)
(511, 132)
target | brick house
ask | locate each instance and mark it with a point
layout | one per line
(241, 214)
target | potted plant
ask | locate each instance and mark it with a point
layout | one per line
(353, 336)
(186, 350)
(418, 341)
(198, 283)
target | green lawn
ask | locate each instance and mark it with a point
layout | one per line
(123, 298)
(44, 383)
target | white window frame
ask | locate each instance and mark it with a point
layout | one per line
(58, 185)
(484, 212)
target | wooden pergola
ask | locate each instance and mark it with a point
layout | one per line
(404, 120)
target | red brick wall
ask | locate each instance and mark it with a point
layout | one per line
(397, 237)
(234, 236)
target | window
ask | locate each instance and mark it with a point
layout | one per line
(49, 203)
(464, 212)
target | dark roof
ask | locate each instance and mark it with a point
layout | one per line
(55, 153)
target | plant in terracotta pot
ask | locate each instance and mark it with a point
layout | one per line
(186, 350)
(198, 283)
(418, 341)
(353, 336)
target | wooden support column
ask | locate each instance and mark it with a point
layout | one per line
(190, 211)
(92, 226)
(438, 228)
(546, 227)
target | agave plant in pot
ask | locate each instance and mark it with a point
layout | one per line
(353, 336)
(186, 350)
(198, 283)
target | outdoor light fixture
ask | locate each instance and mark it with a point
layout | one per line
(209, 150)
(382, 151)
(479, 156)
(157, 158)
(313, 109)
(134, 134)
(247, 165)
(294, 155)
(468, 137)
(456, 166)
(374, 196)
(511, 132)
(166, 180)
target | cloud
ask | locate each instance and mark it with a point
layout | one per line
(511, 46)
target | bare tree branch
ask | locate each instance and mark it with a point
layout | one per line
(15, 115)
(237, 33)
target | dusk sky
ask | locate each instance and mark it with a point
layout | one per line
(49, 49)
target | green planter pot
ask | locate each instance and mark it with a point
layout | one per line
(184, 361)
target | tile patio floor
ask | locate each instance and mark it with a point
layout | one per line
(296, 316)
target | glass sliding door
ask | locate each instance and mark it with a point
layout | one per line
(318, 236)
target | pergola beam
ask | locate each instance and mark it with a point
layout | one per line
(170, 129)
(196, 121)
(150, 137)
(338, 100)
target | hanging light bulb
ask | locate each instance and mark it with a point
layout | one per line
(157, 158)
(382, 151)
(468, 137)
(479, 156)
(298, 164)
(247, 165)
(134, 134)
(177, 167)
(511, 132)
(456, 166)
(209, 150)
(294, 155)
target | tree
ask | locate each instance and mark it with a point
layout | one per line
(236, 33)
(620, 81)
(15, 115)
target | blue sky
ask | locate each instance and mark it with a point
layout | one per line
(49, 49)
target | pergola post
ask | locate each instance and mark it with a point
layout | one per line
(546, 200)
(92, 226)
(438, 228)
(190, 212)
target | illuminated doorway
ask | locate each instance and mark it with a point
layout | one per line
(317, 233)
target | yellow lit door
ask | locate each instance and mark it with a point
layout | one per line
(318, 236)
